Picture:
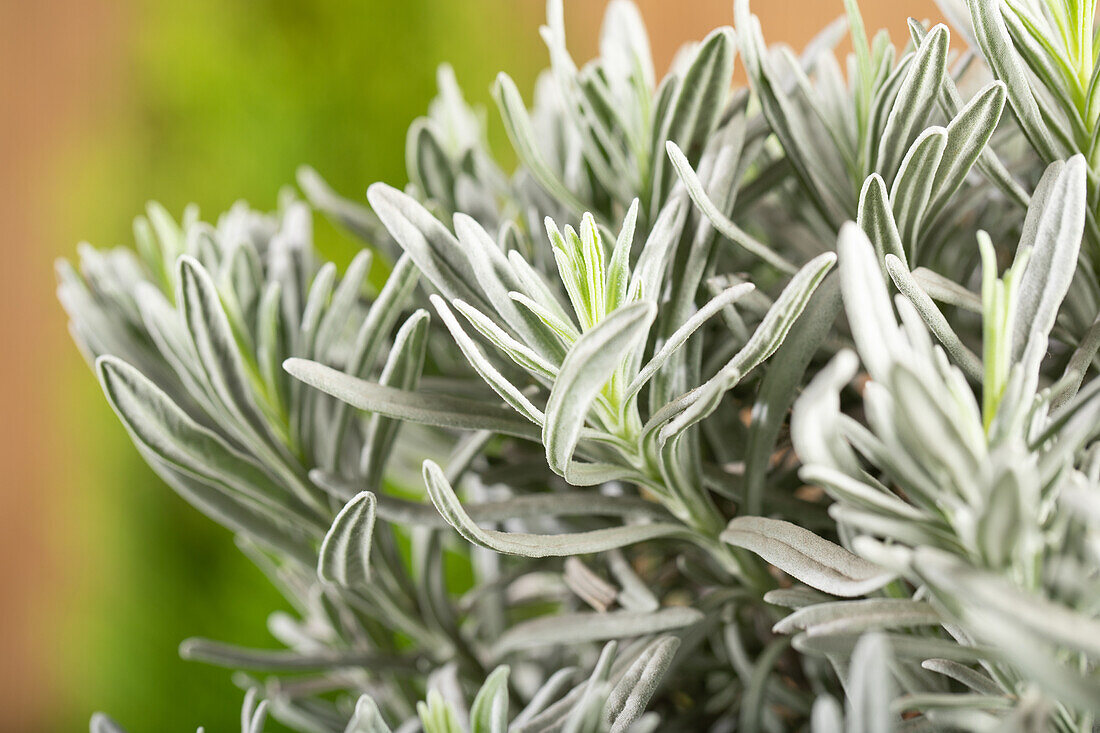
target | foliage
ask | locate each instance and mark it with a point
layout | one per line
(668, 455)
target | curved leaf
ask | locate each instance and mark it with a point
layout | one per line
(818, 563)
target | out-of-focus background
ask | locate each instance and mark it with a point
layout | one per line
(106, 104)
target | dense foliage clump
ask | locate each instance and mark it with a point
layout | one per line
(757, 409)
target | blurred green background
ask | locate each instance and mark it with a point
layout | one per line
(108, 104)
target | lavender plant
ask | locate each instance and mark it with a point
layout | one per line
(758, 409)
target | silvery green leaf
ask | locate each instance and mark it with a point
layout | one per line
(848, 617)
(816, 416)
(795, 597)
(650, 271)
(618, 269)
(339, 308)
(170, 336)
(870, 687)
(784, 118)
(903, 647)
(271, 344)
(934, 318)
(629, 697)
(624, 44)
(967, 702)
(781, 317)
(431, 246)
(230, 655)
(524, 506)
(914, 102)
(913, 185)
(881, 524)
(582, 628)
(345, 552)
(768, 336)
(870, 314)
(779, 387)
(1078, 365)
(994, 598)
(1053, 230)
(715, 305)
(876, 217)
(253, 716)
(317, 299)
(588, 366)
(438, 715)
(588, 108)
(244, 278)
(485, 369)
(968, 134)
(1004, 62)
(727, 228)
(534, 545)
(802, 554)
(156, 423)
(827, 716)
(266, 525)
(857, 493)
(169, 233)
(520, 353)
(103, 723)
(547, 693)
(302, 401)
(586, 715)
(441, 410)
(402, 371)
(497, 276)
(1058, 101)
(946, 291)
(520, 131)
(489, 711)
(557, 322)
(695, 107)
(723, 163)
(972, 678)
(369, 340)
(429, 166)
(151, 252)
(1001, 528)
(367, 718)
(218, 353)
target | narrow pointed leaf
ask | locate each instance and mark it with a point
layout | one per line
(534, 545)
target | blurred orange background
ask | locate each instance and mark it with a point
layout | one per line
(108, 104)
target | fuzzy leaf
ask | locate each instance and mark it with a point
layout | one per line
(914, 101)
(818, 563)
(367, 718)
(848, 617)
(698, 102)
(1053, 230)
(588, 366)
(534, 545)
(441, 410)
(489, 711)
(631, 694)
(727, 228)
(345, 552)
(582, 628)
